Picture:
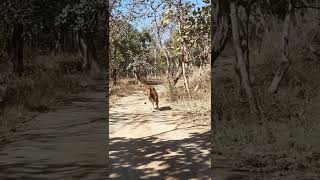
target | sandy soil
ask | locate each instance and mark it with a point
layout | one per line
(156, 145)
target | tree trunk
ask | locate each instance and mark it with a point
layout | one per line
(92, 52)
(179, 73)
(17, 43)
(221, 34)
(73, 45)
(185, 79)
(139, 78)
(163, 48)
(166, 54)
(58, 43)
(219, 40)
(88, 53)
(284, 65)
(244, 13)
(238, 78)
(184, 72)
(241, 61)
(244, 33)
(114, 76)
(84, 54)
(9, 48)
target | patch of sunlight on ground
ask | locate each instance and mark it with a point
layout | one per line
(114, 175)
(155, 165)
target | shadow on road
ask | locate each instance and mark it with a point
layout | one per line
(175, 159)
(165, 108)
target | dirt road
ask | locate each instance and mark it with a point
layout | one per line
(67, 143)
(156, 145)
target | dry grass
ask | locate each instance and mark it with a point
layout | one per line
(46, 80)
(199, 104)
(123, 88)
(287, 140)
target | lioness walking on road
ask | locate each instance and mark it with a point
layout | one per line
(152, 95)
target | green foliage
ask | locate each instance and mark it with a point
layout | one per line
(131, 48)
(46, 22)
(139, 65)
(80, 17)
(13, 11)
(193, 31)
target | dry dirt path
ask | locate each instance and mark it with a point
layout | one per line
(156, 145)
(67, 143)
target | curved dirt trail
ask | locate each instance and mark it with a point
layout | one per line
(68, 143)
(156, 145)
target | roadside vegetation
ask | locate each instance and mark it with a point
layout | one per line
(266, 86)
(48, 51)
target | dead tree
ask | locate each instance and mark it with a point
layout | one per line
(15, 48)
(178, 74)
(221, 21)
(87, 51)
(243, 14)
(241, 59)
(285, 63)
(184, 73)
